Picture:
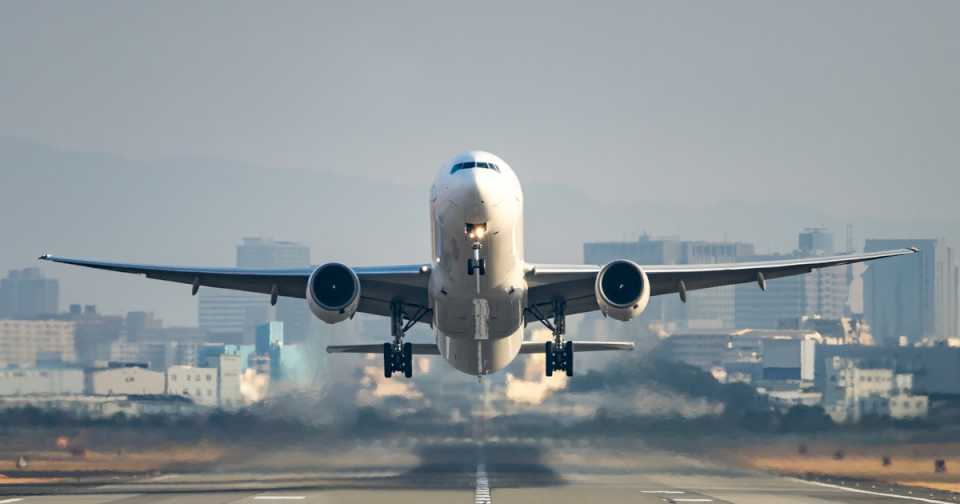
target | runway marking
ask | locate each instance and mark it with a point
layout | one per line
(662, 491)
(280, 497)
(8, 501)
(482, 495)
(870, 492)
(161, 478)
(691, 500)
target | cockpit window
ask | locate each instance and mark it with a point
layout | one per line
(467, 165)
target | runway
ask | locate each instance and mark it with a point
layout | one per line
(468, 473)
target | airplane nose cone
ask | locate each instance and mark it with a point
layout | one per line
(479, 190)
(477, 193)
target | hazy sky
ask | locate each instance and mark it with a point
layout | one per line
(674, 117)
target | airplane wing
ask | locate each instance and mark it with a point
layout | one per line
(574, 283)
(379, 285)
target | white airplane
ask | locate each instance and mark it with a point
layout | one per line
(478, 292)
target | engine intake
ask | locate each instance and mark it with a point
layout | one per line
(622, 290)
(333, 292)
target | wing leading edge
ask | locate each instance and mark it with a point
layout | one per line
(379, 285)
(575, 282)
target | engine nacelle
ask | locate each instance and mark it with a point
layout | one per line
(333, 292)
(622, 290)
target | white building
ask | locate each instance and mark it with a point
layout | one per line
(852, 392)
(22, 341)
(126, 381)
(199, 384)
(230, 370)
(46, 382)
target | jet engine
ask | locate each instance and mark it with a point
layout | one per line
(622, 290)
(333, 292)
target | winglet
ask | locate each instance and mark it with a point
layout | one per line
(44, 257)
(915, 249)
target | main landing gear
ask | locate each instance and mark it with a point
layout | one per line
(398, 356)
(559, 353)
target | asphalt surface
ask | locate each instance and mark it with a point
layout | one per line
(466, 472)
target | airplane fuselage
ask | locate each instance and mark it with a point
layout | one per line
(477, 318)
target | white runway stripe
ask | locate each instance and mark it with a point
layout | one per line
(11, 501)
(482, 495)
(280, 497)
(869, 492)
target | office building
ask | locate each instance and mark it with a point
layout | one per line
(853, 390)
(25, 342)
(28, 293)
(199, 384)
(913, 296)
(231, 317)
(139, 323)
(821, 293)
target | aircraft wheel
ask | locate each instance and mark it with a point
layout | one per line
(470, 266)
(387, 360)
(568, 357)
(407, 360)
(549, 353)
(482, 266)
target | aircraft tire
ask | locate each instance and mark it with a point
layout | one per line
(407, 360)
(387, 360)
(549, 353)
(568, 357)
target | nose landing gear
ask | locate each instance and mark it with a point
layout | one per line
(475, 232)
(476, 265)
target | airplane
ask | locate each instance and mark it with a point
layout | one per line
(478, 292)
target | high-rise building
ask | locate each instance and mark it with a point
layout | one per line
(28, 293)
(822, 292)
(231, 317)
(913, 296)
(265, 253)
(705, 309)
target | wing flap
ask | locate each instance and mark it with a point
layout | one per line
(537, 347)
(377, 348)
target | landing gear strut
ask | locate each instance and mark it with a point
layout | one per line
(558, 352)
(476, 263)
(398, 356)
